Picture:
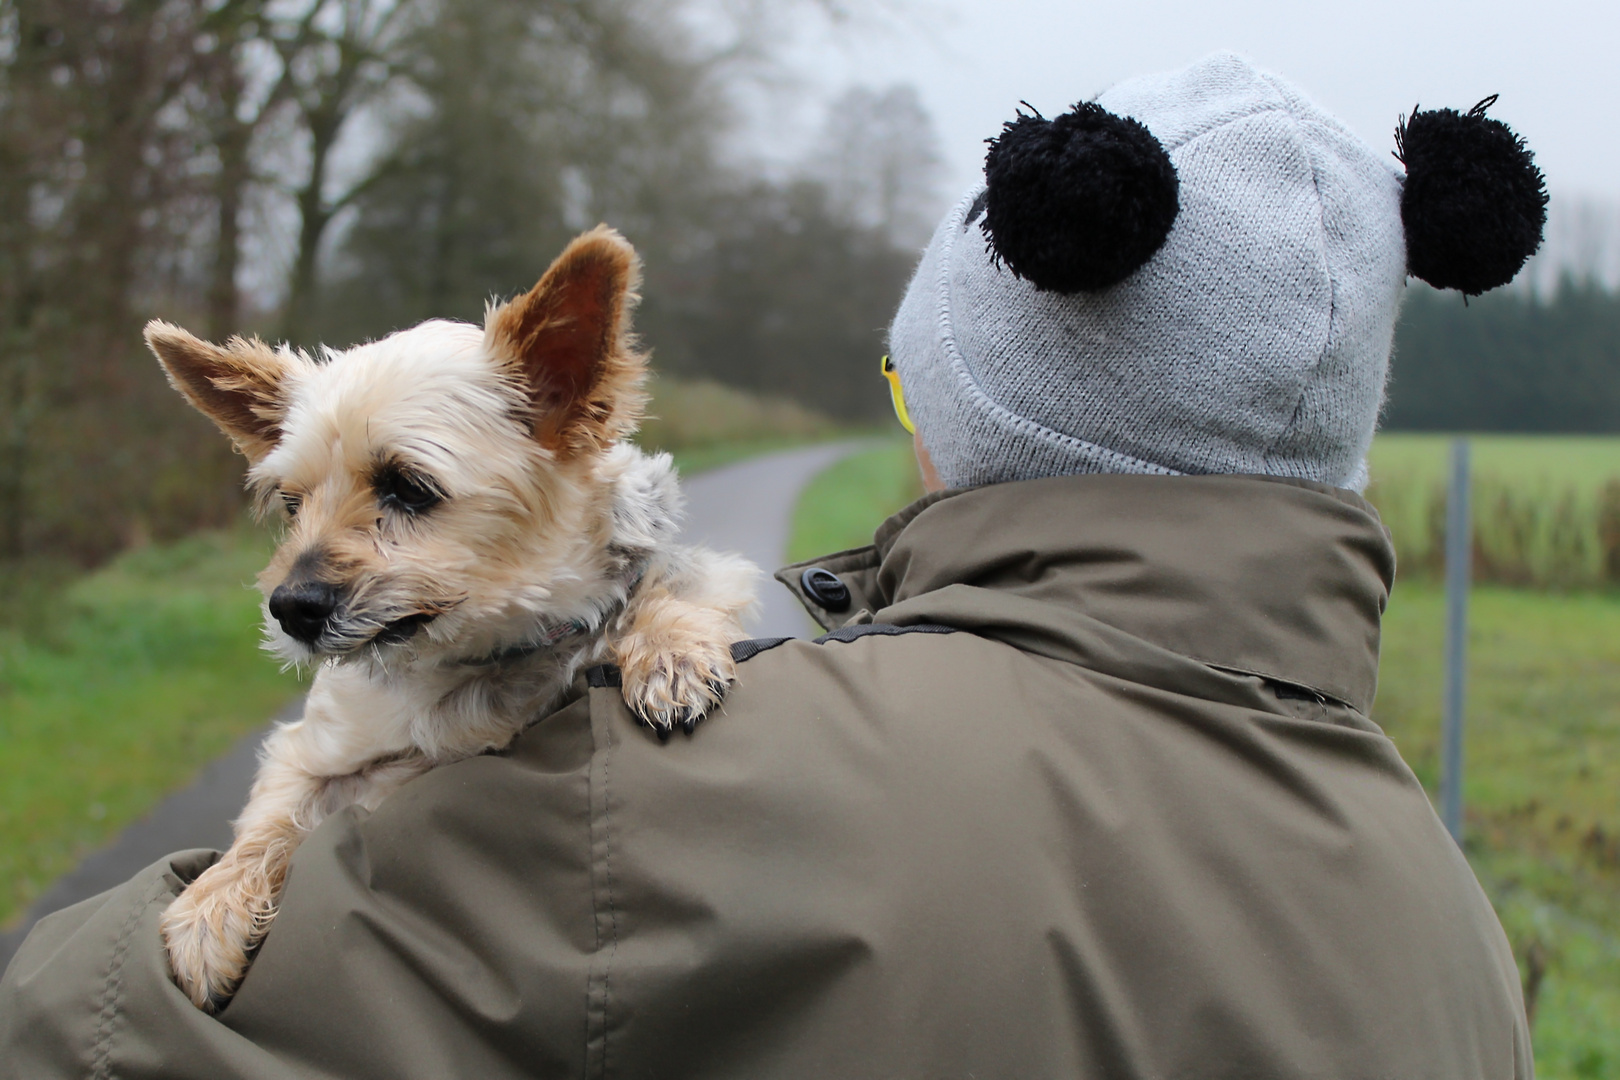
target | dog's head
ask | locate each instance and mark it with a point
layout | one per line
(446, 488)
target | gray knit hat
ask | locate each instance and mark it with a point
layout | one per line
(1256, 339)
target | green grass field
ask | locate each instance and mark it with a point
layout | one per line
(705, 423)
(1542, 782)
(126, 682)
(1581, 463)
(1546, 510)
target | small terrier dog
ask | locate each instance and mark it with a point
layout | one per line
(467, 528)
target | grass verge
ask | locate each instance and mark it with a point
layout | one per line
(126, 683)
(1543, 747)
(842, 506)
(698, 459)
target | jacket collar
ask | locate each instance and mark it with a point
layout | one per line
(1144, 577)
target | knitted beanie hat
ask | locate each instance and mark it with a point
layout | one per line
(1199, 272)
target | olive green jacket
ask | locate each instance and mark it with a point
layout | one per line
(1110, 805)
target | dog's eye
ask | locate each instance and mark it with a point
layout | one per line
(291, 502)
(399, 489)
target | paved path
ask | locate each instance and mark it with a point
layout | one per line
(747, 508)
(744, 508)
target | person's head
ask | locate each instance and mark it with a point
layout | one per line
(1199, 272)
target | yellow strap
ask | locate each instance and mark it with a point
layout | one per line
(898, 395)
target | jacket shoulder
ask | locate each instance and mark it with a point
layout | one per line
(604, 676)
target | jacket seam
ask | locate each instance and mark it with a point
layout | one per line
(602, 856)
(112, 993)
(613, 911)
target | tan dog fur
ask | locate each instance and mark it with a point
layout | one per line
(544, 518)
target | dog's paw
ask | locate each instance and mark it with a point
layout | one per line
(668, 690)
(211, 931)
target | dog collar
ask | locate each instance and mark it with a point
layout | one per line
(553, 634)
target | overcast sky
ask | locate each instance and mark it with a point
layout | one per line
(1555, 63)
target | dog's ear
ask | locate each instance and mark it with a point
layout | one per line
(239, 386)
(568, 342)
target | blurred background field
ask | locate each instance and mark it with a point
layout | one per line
(705, 423)
(1546, 509)
(1543, 734)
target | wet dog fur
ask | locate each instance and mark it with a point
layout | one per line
(467, 527)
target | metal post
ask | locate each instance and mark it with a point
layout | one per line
(1459, 575)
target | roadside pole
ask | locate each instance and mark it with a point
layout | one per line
(1459, 575)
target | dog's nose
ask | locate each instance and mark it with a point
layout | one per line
(302, 609)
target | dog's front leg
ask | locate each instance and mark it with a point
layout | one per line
(673, 644)
(212, 929)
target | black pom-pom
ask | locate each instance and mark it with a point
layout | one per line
(1474, 204)
(1078, 203)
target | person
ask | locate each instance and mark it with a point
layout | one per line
(1081, 782)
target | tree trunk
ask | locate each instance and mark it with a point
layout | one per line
(233, 140)
(15, 423)
(314, 216)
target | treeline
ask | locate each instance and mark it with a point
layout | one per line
(330, 170)
(1507, 361)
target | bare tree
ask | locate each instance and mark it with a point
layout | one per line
(879, 156)
(537, 118)
(790, 299)
(92, 145)
(459, 140)
(336, 57)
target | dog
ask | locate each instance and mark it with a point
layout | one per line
(467, 527)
